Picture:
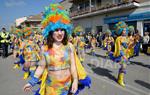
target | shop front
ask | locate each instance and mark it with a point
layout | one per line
(147, 26)
(141, 21)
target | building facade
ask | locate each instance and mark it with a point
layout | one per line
(32, 21)
(99, 15)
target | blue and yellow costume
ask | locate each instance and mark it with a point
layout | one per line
(108, 42)
(121, 53)
(131, 50)
(124, 49)
(30, 52)
(81, 45)
(31, 55)
(16, 50)
(93, 45)
(131, 40)
(138, 41)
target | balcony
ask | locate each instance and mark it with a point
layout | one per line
(95, 10)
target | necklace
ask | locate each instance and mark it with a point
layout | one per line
(57, 47)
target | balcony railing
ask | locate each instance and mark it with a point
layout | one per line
(102, 7)
(122, 0)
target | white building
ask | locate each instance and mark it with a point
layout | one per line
(99, 15)
(33, 21)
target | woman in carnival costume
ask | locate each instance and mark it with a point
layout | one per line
(130, 38)
(108, 42)
(75, 40)
(79, 42)
(59, 69)
(93, 45)
(120, 54)
(123, 50)
(133, 42)
(16, 49)
(38, 38)
(30, 51)
(81, 47)
(76, 37)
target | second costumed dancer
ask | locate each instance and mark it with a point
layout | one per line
(120, 54)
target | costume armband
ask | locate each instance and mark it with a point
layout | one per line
(21, 50)
(34, 81)
(124, 45)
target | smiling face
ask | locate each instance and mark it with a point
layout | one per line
(58, 35)
(124, 31)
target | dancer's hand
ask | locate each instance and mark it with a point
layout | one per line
(74, 86)
(27, 88)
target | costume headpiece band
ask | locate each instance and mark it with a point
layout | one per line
(120, 26)
(55, 17)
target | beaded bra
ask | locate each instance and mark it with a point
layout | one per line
(58, 59)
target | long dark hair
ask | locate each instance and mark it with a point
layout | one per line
(50, 39)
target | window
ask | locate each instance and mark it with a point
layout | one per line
(88, 29)
(99, 28)
(98, 2)
(87, 4)
(81, 6)
(147, 27)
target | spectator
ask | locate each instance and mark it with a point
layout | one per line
(145, 41)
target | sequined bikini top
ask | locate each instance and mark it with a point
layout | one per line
(58, 59)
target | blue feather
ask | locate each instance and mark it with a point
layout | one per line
(53, 26)
(83, 83)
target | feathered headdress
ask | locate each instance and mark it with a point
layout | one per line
(78, 30)
(17, 32)
(108, 32)
(27, 31)
(55, 17)
(120, 26)
(131, 29)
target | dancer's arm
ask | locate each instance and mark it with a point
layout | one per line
(73, 72)
(37, 75)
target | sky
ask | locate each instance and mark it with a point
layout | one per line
(10, 10)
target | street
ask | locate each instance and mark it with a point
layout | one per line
(102, 71)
